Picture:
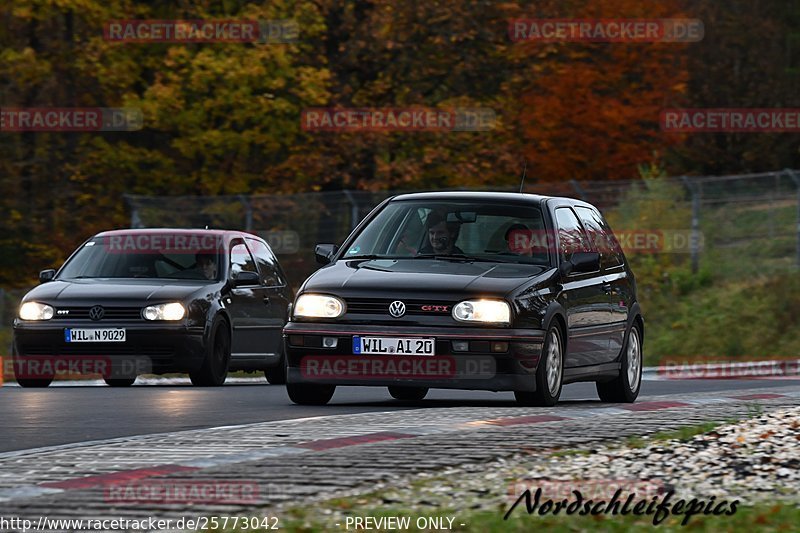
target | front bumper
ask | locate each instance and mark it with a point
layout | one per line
(152, 348)
(482, 367)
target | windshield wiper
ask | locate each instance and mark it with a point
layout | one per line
(467, 258)
(368, 256)
(444, 257)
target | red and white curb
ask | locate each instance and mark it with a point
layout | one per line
(356, 439)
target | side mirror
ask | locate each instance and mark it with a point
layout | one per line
(580, 262)
(585, 262)
(246, 278)
(47, 275)
(325, 252)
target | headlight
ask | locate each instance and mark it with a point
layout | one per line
(494, 311)
(171, 311)
(318, 306)
(35, 311)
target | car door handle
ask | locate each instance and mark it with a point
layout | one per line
(607, 288)
(266, 300)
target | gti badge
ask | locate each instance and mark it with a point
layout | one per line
(436, 308)
(397, 308)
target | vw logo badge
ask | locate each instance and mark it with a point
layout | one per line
(96, 312)
(397, 308)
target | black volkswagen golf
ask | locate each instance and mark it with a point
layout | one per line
(469, 290)
(130, 302)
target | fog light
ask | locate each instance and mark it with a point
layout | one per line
(330, 342)
(460, 346)
(500, 347)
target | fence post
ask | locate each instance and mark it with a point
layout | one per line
(695, 244)
(579, 190)
(248, 213)
(354, 218)
(136, 221)
(796, 180)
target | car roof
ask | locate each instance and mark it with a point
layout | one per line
(469, 195)
(510, 197)
(176, 231)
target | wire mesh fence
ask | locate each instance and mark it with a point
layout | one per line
(751, 220)
(742, 225)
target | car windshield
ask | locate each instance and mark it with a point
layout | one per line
(160, 256)
(468, 231)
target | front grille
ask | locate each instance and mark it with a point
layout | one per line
(377, 306)
(110, 313)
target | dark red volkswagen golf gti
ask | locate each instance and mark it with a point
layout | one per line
(469, 290)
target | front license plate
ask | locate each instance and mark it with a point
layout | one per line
(94, 335)
(393, 346)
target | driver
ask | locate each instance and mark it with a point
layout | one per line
(207, 264)
(518, 240)
(442, 236)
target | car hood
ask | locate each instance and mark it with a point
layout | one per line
(117, 291)
(421, 275)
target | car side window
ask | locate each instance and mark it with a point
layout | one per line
(241, 260)
(267, 263)
(571, 236)
(601, 235)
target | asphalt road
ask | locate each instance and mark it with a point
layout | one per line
(34, 418)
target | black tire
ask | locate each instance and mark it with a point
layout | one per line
(277, 374)
(547, 390)
(305, 394)
(218, 355)
(34, 383)
(625, 387)
(29, 383)
(408, 393)
(119, 382)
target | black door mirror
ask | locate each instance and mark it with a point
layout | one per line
(47, 275)
(585, 262)
(580, 262)
(325, 252)
(246, 278)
